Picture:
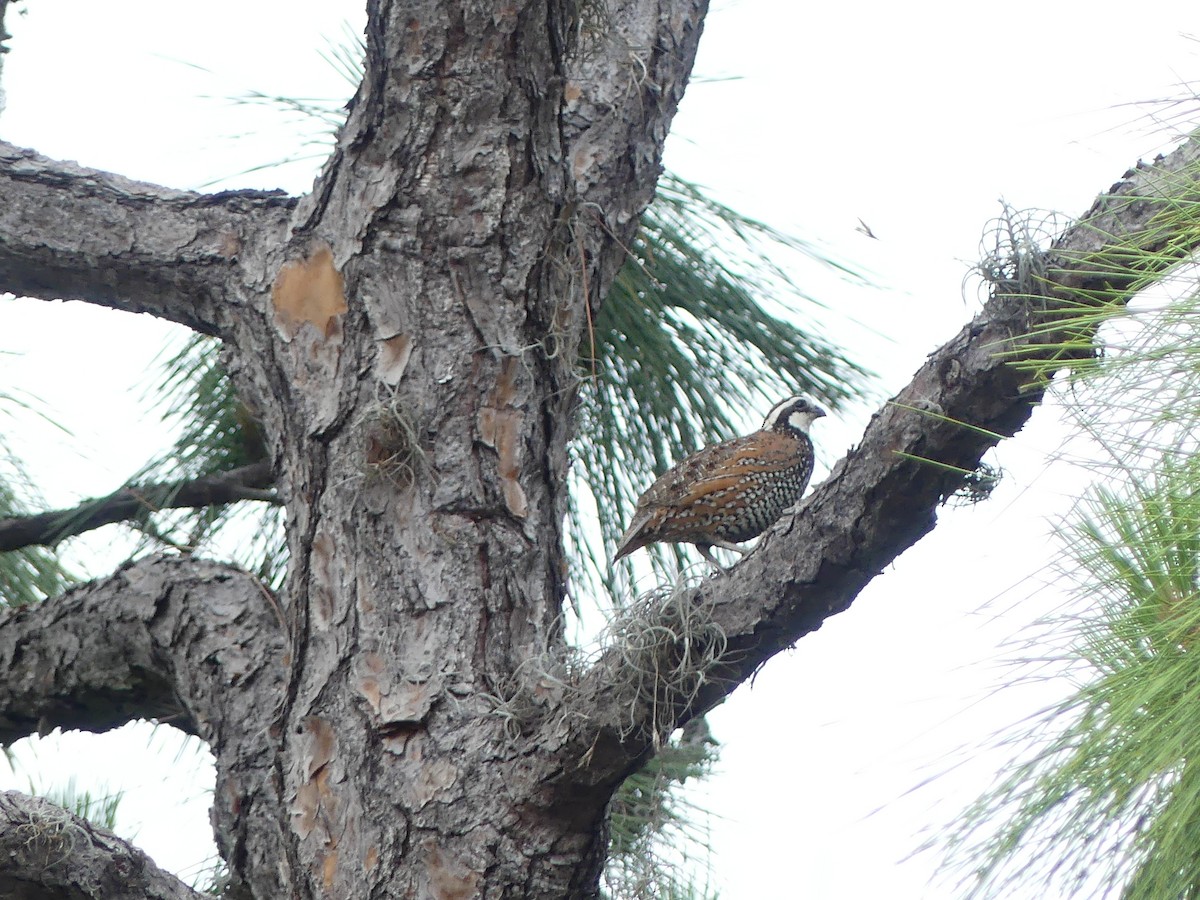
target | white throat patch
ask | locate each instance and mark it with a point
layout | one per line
(801, 421)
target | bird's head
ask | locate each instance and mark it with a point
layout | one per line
(795, 414)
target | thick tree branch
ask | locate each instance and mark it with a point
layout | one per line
(250, 482)
(72, 233)
(976, 390)
(164, 638)
(47, 853)
(638, 64)
(177, 637)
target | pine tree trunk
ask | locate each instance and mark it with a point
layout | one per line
(408, 334)
(417, 370)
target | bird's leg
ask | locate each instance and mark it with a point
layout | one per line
(727, 545)
(706, 551)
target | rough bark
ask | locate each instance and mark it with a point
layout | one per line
(72, 233)
(165, 637)
(408, 331)
(186, 641)
(46, 853)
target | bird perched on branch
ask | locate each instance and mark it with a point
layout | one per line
(731, 491)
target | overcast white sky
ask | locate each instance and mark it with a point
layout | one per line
(914, 118)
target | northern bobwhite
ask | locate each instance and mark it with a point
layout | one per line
(731, 491)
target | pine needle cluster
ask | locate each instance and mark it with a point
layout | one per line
(1105, 799)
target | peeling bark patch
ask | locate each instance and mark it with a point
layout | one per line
(433, 776)
(315, 803)
(321, 595)
(329, 869)
(321, 743)
(432, 780)
(449, 878)
(231, 244)
(500, 428)
(369, 688)
(408, 704)
(304, 810)
(394, 354)
(309, 290)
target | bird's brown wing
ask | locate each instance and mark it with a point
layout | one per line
(697, 484)
(718, 468)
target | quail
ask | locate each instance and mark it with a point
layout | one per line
(731, 491)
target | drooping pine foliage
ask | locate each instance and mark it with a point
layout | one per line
(217, 433)
(1109, 802)
(31, 574)
(656, 833)
(1106, 800)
